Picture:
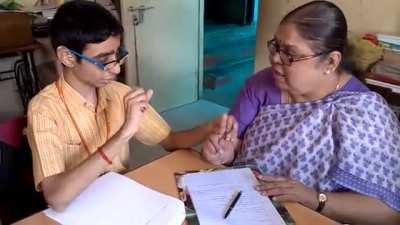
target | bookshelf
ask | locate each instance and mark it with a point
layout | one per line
(394, 88)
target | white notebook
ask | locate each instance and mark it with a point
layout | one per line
(211, 194)
(116, 199)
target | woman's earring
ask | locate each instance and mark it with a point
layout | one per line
(327, 72)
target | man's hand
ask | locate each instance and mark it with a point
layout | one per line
(136, 103)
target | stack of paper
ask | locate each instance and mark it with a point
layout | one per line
(116, 199)
(211, 193)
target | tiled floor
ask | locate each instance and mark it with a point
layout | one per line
(180, 118)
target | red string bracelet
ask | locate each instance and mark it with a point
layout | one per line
(104, 156)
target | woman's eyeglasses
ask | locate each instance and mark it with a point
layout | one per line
(286, 58)
(122, 54)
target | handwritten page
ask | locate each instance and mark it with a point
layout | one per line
(211, 193)
(116, 199)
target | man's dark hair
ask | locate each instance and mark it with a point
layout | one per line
(79, 22)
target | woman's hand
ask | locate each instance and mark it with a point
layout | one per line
(224, 126)
(218, 151)
(286, 190)
(136, 103)
(219, 147)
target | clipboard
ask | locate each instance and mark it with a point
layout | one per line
(191, 216)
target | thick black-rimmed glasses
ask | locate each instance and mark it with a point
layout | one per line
(121, 57)
(286, 58)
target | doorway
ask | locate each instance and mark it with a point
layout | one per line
(163, 39)
(229, 48)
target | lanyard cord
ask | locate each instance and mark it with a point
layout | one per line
(61, 93)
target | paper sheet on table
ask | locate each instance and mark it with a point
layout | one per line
(211, 193)
(116, 199)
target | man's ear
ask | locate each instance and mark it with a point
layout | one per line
(333, 61)
(65, 56)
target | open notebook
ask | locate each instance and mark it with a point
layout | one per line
(211, 194)
(116, 199)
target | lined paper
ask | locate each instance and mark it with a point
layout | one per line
(211, 193)
(116, 199)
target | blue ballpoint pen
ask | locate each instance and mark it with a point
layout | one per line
(232, 205)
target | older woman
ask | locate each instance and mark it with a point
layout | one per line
(314, 131)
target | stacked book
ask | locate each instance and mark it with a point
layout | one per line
(386, 72)
(389, 42)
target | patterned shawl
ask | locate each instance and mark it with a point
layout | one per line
(346, 141)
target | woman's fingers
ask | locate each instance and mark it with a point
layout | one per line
(229, 127)
(234, 131)
(212, 144)
(256, 173)
(285, 190)
(221, 124)
(226, 127)
(271, 178)
(229, 124)
(209, 148)
(210, 153)
(214, 140)
(277, 191)
(274, 185)
(285, 198)
(277, 188)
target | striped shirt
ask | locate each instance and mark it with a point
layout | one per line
(55, 143)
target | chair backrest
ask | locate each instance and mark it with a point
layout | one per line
(11, 131)
(18, 198)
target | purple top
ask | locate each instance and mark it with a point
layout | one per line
(260, 90)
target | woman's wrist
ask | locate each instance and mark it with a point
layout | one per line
(230, 161)
(313, 201)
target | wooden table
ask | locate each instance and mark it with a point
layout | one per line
(158, 175)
